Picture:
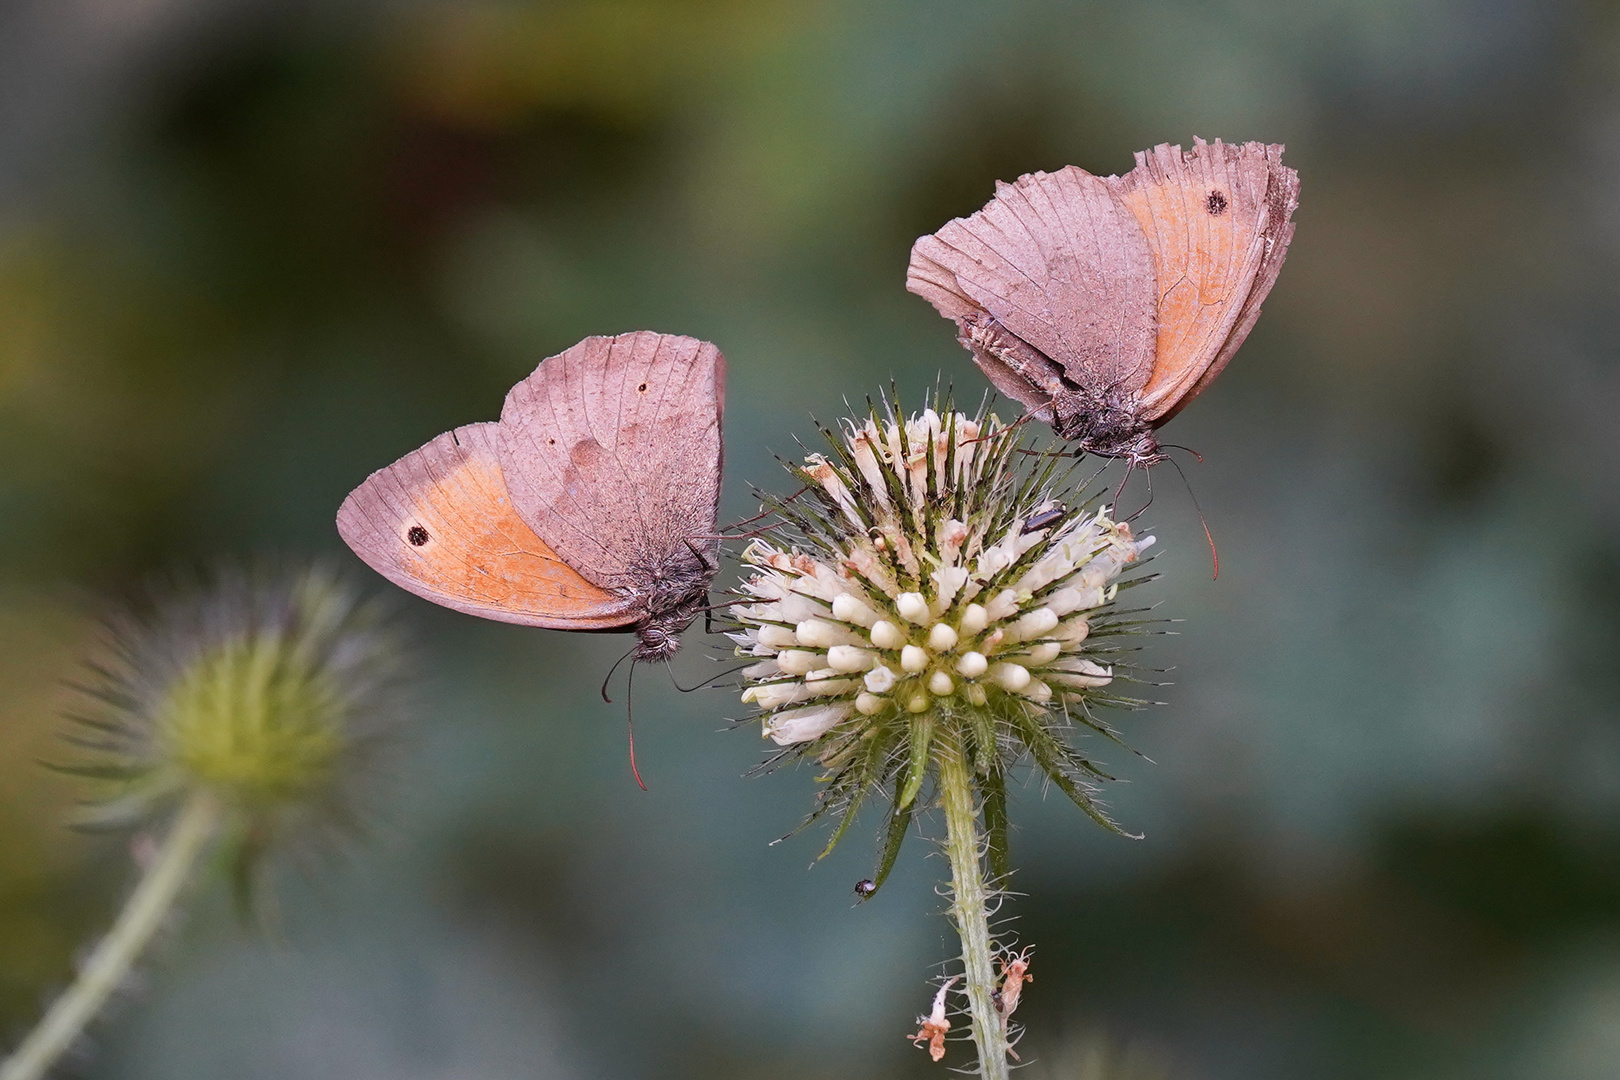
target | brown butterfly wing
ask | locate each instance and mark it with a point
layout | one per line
(611, 450)
(1060, 262)
(1217, 220)
(439, 523)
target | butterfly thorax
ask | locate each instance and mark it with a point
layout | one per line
(677, 594)
(1105, 424)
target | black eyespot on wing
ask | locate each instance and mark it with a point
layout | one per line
(642, 388)
(1216, 204)
(416, 535)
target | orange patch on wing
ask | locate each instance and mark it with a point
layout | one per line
(489, 555)
(1204, 261)
(439, 522)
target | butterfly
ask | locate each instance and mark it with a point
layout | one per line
(1105, 304)
(590, 505)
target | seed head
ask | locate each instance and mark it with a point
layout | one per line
(274, 693)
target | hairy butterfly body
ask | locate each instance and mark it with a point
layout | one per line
(590, 504)
(1105, 304)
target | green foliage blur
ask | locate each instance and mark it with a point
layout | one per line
(251, 251)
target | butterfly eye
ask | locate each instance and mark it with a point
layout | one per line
(1215, 204)
(416, 535)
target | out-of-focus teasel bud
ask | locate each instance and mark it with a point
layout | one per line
(249, 713)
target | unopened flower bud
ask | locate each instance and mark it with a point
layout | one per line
(846, 608)
(849, 658)
(912, 607)
(886, 635)
(972, 664)
(1012, 677)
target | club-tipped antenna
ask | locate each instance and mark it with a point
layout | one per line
(630, 722)
(1214, 556)
(1178, 446)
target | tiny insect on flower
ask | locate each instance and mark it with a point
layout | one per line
(931, 1029)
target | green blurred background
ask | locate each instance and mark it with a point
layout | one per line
(252, 250)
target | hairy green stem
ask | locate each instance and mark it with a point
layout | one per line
(969, 896)
(112, 959)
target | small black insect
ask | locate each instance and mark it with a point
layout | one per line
(1041, 519)
(1215, 204)
(995, 999)
(416, 535)
(865, 888)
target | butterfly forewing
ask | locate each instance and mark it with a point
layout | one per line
(1282, 199)
(611, 451)
(439, 523)
(1216, 219)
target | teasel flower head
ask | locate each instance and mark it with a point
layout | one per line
(278, 694)
(936, 572)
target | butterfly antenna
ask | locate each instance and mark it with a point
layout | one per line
(630, 723)
(1190, 450)
(751, 534)
(614, 668)
(1214, 556)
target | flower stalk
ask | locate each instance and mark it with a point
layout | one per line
(970, 899)
(195, 825)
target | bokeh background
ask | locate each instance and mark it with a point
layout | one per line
(251, 250)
